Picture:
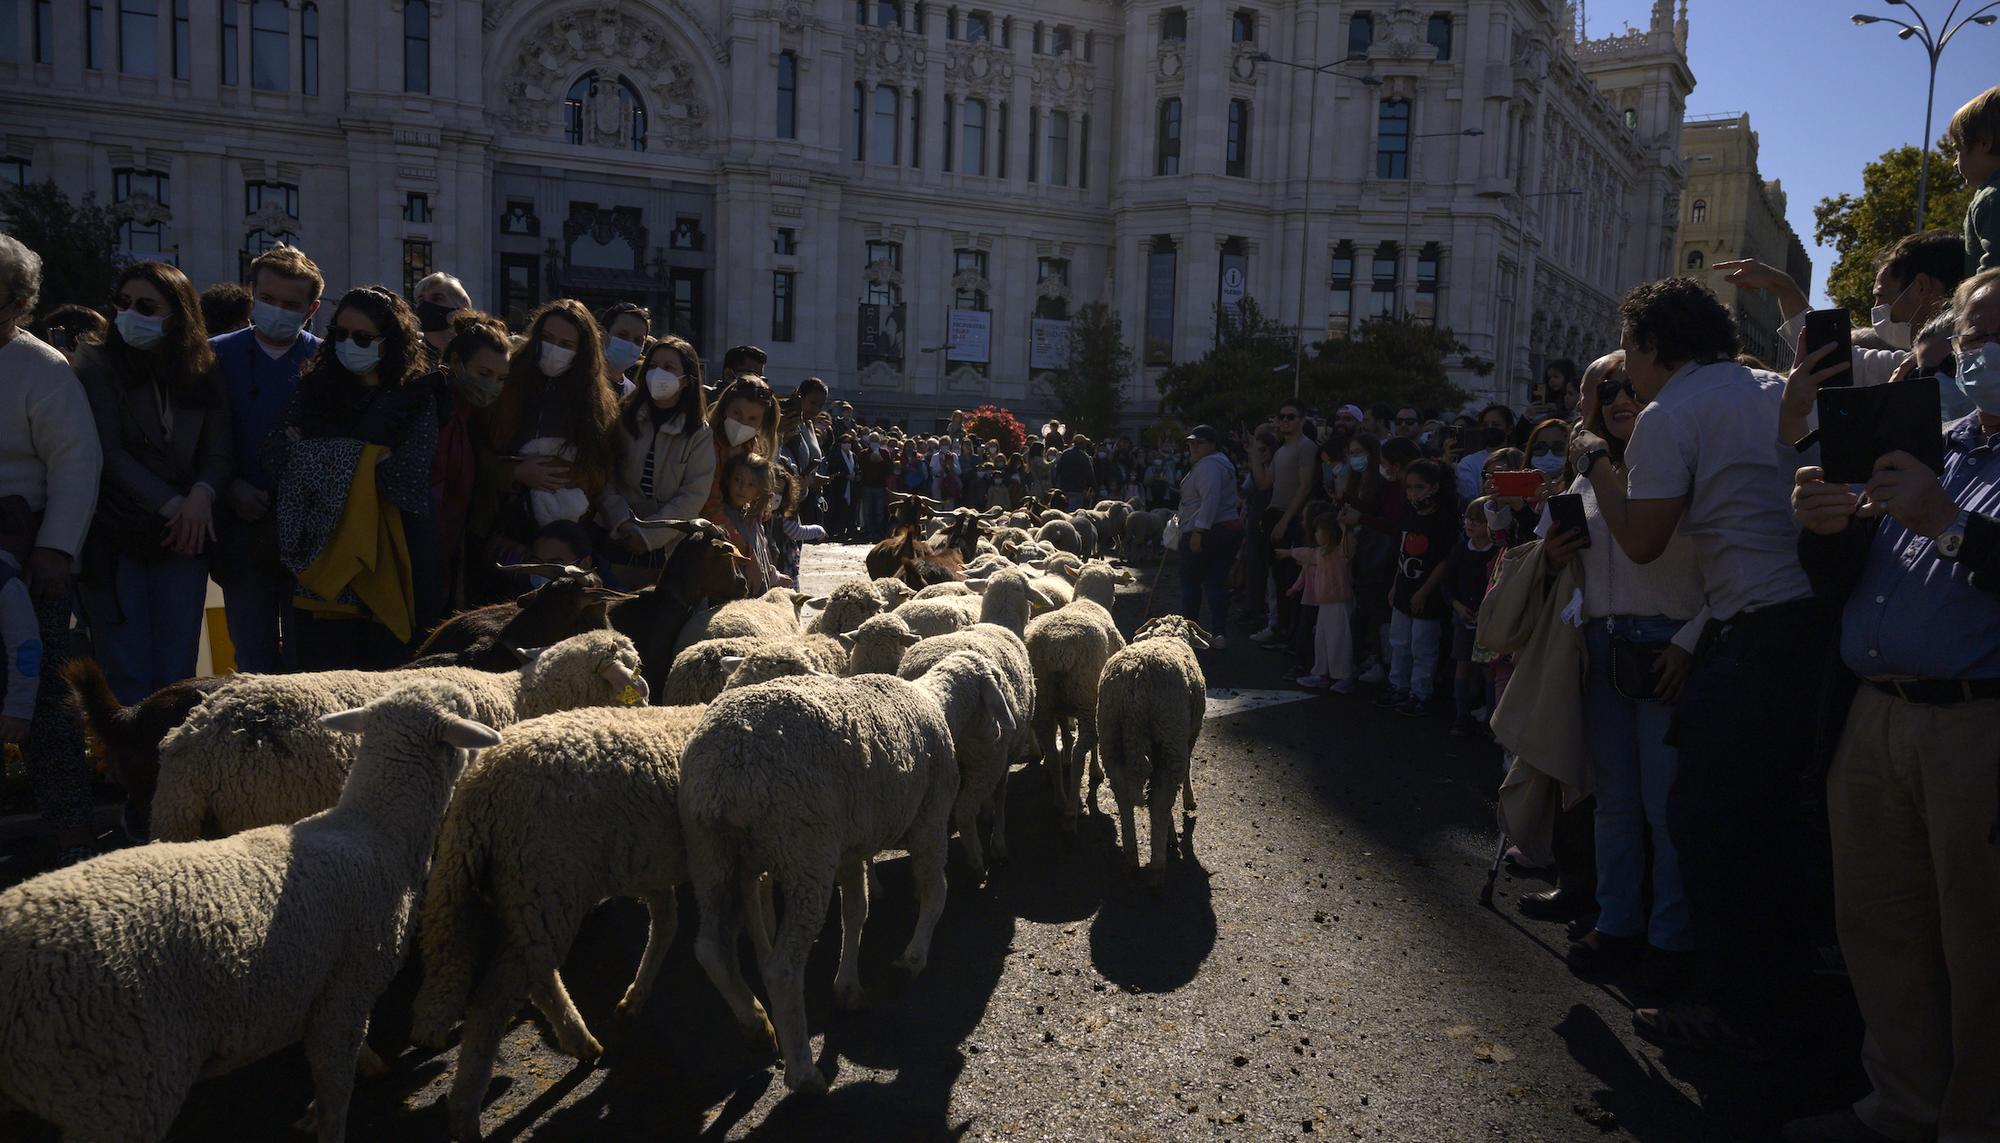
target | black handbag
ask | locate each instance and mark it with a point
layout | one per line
(1634, 674)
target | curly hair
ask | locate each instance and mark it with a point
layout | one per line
(760, 467)
(403, 360)
(1678, 320)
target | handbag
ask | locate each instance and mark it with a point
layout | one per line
(1634, 674)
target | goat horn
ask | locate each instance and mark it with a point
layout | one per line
(551, 571)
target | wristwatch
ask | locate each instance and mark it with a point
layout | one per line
(1590, 460)
(1952, 539)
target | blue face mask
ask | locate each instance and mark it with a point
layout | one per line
(355, 359)
(276, 323)
(1548, 464)
(1357, 463)
(1978, 377)
(140, 331)
(620, 354)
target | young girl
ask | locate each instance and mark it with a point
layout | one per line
(748, 487)
(1467, 571)
(1326, 581)
(1425, 533)
(786, 534)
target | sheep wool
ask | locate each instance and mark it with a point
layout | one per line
(1150, 703)
(943, 590)
(1068, 648)
(772, 615)
(983, 764)
(126, 978)
(894, 592)
(699, 673)
(1062, 534)
(845, 607)
(928, 617)
(255, 753)
(877, 646)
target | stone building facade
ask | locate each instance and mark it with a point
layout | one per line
(906, 197)
(1732, 211)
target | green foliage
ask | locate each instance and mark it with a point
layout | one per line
(1088, 393)
(1860, 227)
(78, 242)
(1247, 372)
(993, 423)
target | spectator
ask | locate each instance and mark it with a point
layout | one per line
(225, 308)
(1701, 461)
(476, 362)
(843, 488)
(50, 462)
(786, 535)
(1406, 423)
(1467, 572)
(1381, 421)
(1555, 396)
(742, 360)
(1260, 611)
(748, 484)
(163, 421)
(744, 420)
(1496, 425)
(1326, 583)
(1348, 420)
(564, 542)
(437, 297)
(1211, 530)
(1426, 531)
(1910, 796)
(627, 328)
(663, 460)
(260, 370)
(1075, 472)
(805, 433)
(1974, 137)
(67, 328)
(1294, 477)
(874, 470)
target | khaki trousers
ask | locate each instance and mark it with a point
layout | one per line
(1912, 797)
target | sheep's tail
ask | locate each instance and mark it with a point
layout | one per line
(453, 918)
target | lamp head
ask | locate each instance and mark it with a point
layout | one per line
(1862, 21)
(1906, 33)
(1370, 80)
(1985, 21)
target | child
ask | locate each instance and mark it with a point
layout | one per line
(787, 536)
(747, 486)
(1425, 533)
(1326, 581)
(548, 505)
(562, 542)
(1975, 134)
(1465, 579)
(20, 633)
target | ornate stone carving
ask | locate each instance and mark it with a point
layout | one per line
(888, 54)
(795, 16)
(1065, 81)
(270, 218)
(1404, 37)
(603, 225)
(980, 68)
(1171, 60)
(881, 375)
(882, 272)
(617, 46)
(144, 210)
(1053, 286)
(1243, 63)
(971, 280)
(684, 19)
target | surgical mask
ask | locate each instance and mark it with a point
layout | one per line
(1357, 463)
(1383, 471)
(1895, 334)
(737, 432)
(355, 359)
(434, 317)
(1979, 377)
(276, 323)
(555, 359)
(620, 354)
(1548, 464)
(1326, 472)
(140, 331)
(479, 392)
(663, 385)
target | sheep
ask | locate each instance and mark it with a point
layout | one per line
(1150, 702)
(1098, 582)
(778, 661)
(128, 737)
(698, 673)
(894, 592)
(1010, 598)
(1062, 534)
(937, 616)
(513, 882)
(1143, 534)
(1068, 648)
(1056, 588)
(983, 766)
(1115, 512)
(842, 609)
(958, 588)
(876, 647)
(809, 779)
(126, 978)
(1086, 527)
(255, 753)
(772, 615)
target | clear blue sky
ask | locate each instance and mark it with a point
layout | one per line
(1824, 96)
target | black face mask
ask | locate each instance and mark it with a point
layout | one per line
(434, 317)
(1493, 436)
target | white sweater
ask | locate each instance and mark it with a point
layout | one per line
(1613, 585)
(49, 452)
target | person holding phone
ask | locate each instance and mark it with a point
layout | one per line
(1642, 625)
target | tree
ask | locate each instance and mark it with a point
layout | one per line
(1240, 379)
(78, 242)
(1391, 360)
(1088, 393)
(993, 423)
(1860, 227)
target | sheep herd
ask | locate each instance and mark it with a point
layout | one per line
(312, 831)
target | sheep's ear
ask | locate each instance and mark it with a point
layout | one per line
(1071, 572)
(997, 702)
(1125, 576)
(731, 662)
(1038, 565)
(846, 641)
(631, 685)
(467, 734)
(1198, 637)
(817, 604)
(978, 586)
(909, 638)
(1040, 600)
(345, 721)
(528, 654)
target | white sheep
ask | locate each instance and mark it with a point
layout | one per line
(699, 673)
(780, 661)
(1068, 648)
(1150, 703)
(937, 616)
(843, 609)
(1098, 582)
(983, 766)
(1087, 528)
(256, 753)
(773, 615)
(1143, 533)
(945, 590)
(809, 779)
(1116, 512)
(894, 592)
(877, 646)
(1062, 535)
(1010, 598)
(126, 978)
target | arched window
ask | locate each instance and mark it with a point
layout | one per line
(1695, 260)
(882, 132)
(1700, 210)
(607, 111)
(309, 49)
(271, 45)
(973, 160)
(1168, 160)
(788, 95)
(417, 46)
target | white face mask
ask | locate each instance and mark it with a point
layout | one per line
(555, 359)
(663, 384)
(737, 432)
(140, 331)
(1896, 334)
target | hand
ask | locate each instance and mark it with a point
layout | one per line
(1672, 666)
(1750, 274)
(193, 523)
(1582, 443)
(14, 730)
(1561, 547)
(48, 574)
(1349, 517)
(247, 501)
(1194, 542)
(1903, 487)
(1465, 614)
(1420, 599)
(543, 473)
(1451, 451)
(1802, 388)
(1821, 508)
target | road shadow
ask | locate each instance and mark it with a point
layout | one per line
(1155, 938)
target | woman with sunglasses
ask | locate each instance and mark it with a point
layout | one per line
(364, 385)
(665, 462)
(163, 421)
(1642, 622)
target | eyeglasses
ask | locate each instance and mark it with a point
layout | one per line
(146, 306)
(1406, 420)
(1548, 450)
(1973, 339)
(361, 340)
(1609, 388)
(1288, 416)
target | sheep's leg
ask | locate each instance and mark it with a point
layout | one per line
(927, 861)
(806, 894)
(965, 816)
(1128, 790)
(1187, 790)
(494, 1002)
(663, 917)
(847, 990)
(1086, 745)
(546, 988)
(715, 948)
(1000, 813)
(1164, 788)
(764, 918)
(333, 1044)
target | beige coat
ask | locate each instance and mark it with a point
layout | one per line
(683, 475)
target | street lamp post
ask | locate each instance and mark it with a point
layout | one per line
(1305, 228)
(1409, 198)
(1934, 46)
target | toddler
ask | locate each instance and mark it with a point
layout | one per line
(549, 506)
(1466, 574)
(787, 535)
(748, 489)
(1326, 581)
(1425, 533)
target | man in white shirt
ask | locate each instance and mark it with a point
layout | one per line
(50, 458)
(1294, 471)
(1211, 530)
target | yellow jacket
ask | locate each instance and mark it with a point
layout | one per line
(367, 556)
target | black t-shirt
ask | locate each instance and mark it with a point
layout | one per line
(1465, 574)
(1422, 542)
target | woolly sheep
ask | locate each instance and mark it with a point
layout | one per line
(842, 609)
(255, 753)
(894, 592)
(1062, 534)
(983, 766)
(1098, 582)
(774, 614)
(1115, 512)
(1150, 703)
(986, 565)
(1068, 648)
(126, 978)
(1143, 534)
(877, 646)
(777, 661)
(929, 617)
(944, 590)
(699, 673)
(1086, 524)
(513, 882)
(1010, 598)
(809, 779)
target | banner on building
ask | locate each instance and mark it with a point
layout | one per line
(881, 334)
(1231, 288)
(1160, 307)
(969, 334)
(1048, 344)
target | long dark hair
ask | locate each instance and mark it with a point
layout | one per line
(182, 362)
(1363, 487)
(403, 357)
(691, 406)
(589, 408)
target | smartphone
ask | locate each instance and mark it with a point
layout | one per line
(1566, 515)
(1857, 427)
(1824, 326)
(1517, 483)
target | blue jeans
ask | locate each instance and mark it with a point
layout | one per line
(873, 505)
(1413, 653)
(1632, 768)
(145, 624)
(1207, 573)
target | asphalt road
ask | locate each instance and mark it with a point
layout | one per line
(1316, 966)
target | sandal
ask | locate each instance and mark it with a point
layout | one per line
(1696, 1025)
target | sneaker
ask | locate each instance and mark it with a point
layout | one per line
(1343, 687)
(1373, 675)
(1411, 707)
(1266, 637)
(1313, 682)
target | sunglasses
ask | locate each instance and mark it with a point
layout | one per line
(1609, 388)
(1406, 420)
(1288, 416)
(146, 306)
(361, 340)
(1548, 450)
